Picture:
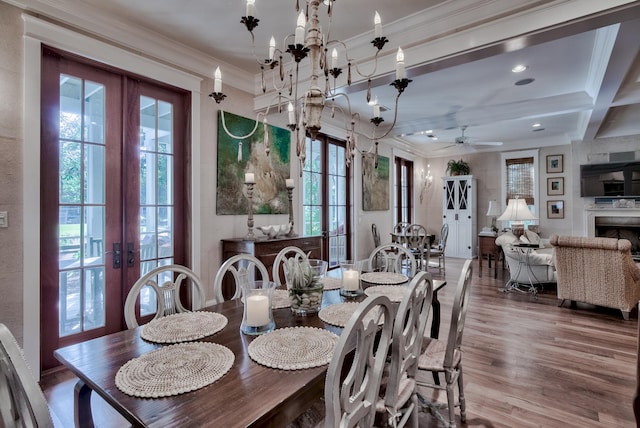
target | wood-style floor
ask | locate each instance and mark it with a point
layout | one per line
(527, 362)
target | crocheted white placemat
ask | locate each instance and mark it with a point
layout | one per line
(174, 369)
(384, 278)
(183, 327)
(293, 348)
(330, 283)
(280, 299)
(395, 293)
(340, 313)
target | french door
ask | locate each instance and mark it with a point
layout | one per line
(113, 206)
(326, 197)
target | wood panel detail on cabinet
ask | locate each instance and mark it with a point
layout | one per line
(266, 250)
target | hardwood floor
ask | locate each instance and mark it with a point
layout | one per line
(527, 362)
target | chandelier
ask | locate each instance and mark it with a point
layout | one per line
(305, 109)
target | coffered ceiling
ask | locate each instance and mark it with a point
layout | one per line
(582, 62)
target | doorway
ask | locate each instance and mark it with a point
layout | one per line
(113, 193)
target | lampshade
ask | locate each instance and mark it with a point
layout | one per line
(494, 209)
(517, 211)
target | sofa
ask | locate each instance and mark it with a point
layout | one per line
(597, 271)
(539, 268)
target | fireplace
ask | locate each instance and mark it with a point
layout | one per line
(620, 223)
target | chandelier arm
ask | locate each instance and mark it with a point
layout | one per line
(393, 124)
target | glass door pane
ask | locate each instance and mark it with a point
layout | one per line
(81, 210)
(156, 191)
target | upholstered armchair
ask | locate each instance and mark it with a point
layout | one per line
(539, 266)
(597, 271)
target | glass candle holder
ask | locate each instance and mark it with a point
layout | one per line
(350, 285)
(257, 317)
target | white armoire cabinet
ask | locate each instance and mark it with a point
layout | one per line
(459, 212)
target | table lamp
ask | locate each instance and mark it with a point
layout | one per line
(493, 212)
(517, 213)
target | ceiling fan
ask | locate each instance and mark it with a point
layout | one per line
(463, 140)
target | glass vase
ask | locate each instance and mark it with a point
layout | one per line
(350, 284)
(257, 317)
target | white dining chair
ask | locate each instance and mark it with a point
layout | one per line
(393, 258)
(165, 282)
(22, 403)
(284, 254)
(398, 402)
(353, 377)
(446, 357)
(242, 268)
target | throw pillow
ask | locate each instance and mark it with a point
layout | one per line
(506, 238)
(533, 237)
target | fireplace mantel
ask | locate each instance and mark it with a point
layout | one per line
(592, 212)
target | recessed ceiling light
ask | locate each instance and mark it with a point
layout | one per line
(519, 68)
(523, 82)
(429, 131)
(536, 125)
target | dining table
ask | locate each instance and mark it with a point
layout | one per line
(249, 394)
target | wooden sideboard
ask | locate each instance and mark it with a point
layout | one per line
(266, 250)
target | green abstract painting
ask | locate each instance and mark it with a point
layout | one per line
(239, 156)
(375, 183)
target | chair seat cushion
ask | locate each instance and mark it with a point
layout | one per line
(432, 356)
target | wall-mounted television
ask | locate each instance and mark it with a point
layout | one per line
(617, 179)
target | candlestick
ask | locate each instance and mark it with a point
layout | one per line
(334, 58)
(289, 181)
(377, 25)
(400, 65)
(302, 22)
(249, 178)
(250, 236)
(251, 8)
(292, 114)
(272, 47)
(217, 80)
(376, 108)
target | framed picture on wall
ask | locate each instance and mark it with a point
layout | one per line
(554, 163)
(555, 186)
(555, 209)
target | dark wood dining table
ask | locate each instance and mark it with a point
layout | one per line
(249, 395)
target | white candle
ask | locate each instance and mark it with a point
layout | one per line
(251, 8)
(302, 22)
(376, 108)
(217, 80)
(272, 47)
(334, 58)
(249, 178)
(289, 183)
(292, 115)
(400, 65)
(377, 25)
(350, 280)
(257, 311)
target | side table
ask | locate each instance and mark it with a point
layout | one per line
(487, 247)
(523, 251)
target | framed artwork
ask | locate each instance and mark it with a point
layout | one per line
(555, 163)
(555, 186)
(239, 156)
(375, 183)
(555, 209)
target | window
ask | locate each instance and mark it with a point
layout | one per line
(519, 173)
(404, 190)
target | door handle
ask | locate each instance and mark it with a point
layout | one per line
(130, 254)
(117, 254)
